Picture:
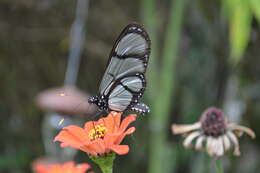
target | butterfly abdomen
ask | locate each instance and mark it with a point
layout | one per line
(140, 108)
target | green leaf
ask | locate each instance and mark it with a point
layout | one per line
(240, 25)
(255, 6)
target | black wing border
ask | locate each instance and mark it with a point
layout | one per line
(132, 28)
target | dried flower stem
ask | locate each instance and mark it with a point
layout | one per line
(219, 167)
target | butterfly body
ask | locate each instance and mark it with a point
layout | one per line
(100, 101)
(123, 83)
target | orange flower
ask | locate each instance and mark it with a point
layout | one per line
(99, 137)
(68, 167)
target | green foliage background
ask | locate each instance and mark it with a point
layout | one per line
(198, 49)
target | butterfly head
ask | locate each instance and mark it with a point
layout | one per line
(100, 101)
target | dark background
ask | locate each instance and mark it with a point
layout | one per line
(216, 62)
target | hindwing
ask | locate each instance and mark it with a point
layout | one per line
(126, 92)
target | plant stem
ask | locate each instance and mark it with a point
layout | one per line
(150, 16)
(77, 38)
(105, 162)
(162, 105)
(219, 167)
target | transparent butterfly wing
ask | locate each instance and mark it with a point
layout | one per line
(129, 56)
(131, 44)
(126, 92)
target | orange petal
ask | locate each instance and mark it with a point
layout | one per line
(107, 123)
(129, 119)
(112, 121)
(67, 139)
(88, 148)
(68, 167)
(98, 146)
(78, 132)
(83, 167)
(55, 169)
(89, 126)
(39, 168)
(130, 131)
(72, 136)
(120, 149)
(122, 136)
(110, 139)
(117, 118)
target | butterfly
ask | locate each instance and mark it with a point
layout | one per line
(124, 82)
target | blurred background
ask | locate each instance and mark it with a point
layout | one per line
(204, 53)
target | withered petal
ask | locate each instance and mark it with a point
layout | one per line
(185, 128)
(226, 142)
(199, 142)
(188, 140)
(234, 140)
(239, 128)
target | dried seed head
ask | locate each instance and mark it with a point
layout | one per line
(213, 122)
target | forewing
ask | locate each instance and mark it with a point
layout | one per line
(129, 55)
(126, 92)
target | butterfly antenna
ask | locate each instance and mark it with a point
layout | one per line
(78, 105)
(97, 114)
(75, 108)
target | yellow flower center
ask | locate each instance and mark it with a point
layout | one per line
(97, 132)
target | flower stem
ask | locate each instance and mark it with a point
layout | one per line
(219, 167)
(161, 106)
(105, 162)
